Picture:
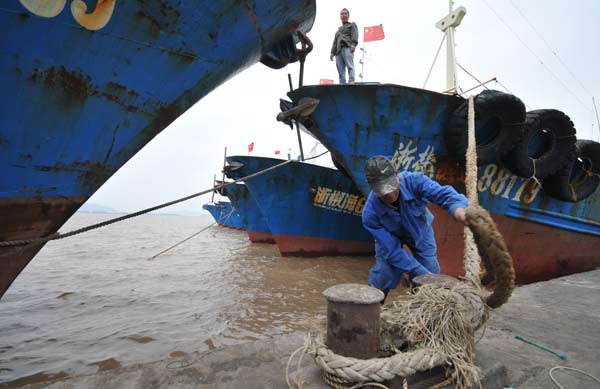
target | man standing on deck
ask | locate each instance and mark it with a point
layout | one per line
(396, 213)
(344, 45)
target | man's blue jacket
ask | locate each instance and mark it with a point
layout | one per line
(410, 224)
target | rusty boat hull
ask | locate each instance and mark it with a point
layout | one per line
(546, 237)
(84, 89)
(252, 219)
(311, 210)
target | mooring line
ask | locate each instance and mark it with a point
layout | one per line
(55, 236)
(183, 241)
(193, 235)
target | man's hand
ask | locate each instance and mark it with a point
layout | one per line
(460, 214)
(331, 57)
(352, 48)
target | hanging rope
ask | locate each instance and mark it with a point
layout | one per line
(472, 260)
(56, 235)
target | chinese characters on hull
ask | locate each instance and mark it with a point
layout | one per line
(339, 201)
(496, 180)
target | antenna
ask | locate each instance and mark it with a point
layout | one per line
(224, 163)
(447, 25)
(212, 200)
(596, 110)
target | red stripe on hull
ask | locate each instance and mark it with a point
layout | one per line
(305, 246)
(230, 227)
(539, 252)
(26, 219)
(260, 237)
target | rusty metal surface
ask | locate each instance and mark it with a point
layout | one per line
(353, 320)
(74, 106)
(539, 252)
(308, 246)
(260, 237)
(547, 238)
(29, 218)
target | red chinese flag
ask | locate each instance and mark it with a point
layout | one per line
(325, 81)
(251, 147)
(276, 152)
(374, 33)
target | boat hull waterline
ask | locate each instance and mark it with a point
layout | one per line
(253, 220)
(311, 210)
(547, 238)
(84, 90)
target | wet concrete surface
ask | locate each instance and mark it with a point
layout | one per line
(561, 314)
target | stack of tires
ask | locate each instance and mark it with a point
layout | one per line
(540, 144)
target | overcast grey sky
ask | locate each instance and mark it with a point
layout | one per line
(544, 51)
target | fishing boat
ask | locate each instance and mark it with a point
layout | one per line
(224, 214)
(539, 182)
(83, 90)
(252, 219)
(310, 210)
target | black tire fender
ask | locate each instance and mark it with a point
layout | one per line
(580, 177)
(499, 120)
(547, 145)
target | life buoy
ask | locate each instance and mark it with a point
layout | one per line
(499, 120)
(547, 144)
(580, 177)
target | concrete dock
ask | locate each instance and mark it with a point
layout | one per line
(562, 315)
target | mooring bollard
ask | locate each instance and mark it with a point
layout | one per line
(353, 320)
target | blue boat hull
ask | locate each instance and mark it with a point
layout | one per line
(253, 220)
(84, 90)
(311, 210)
(547, 238)
(225, 215)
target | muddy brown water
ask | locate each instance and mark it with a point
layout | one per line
(95, 302)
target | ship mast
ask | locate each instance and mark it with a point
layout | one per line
(447, 25)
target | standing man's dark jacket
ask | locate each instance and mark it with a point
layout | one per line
(346, 36)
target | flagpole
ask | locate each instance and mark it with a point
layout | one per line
(212, 200)
(362, 63)
(224, 163)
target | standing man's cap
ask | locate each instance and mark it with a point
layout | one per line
(381, 175)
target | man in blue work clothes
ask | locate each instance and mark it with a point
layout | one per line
(396, 213)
